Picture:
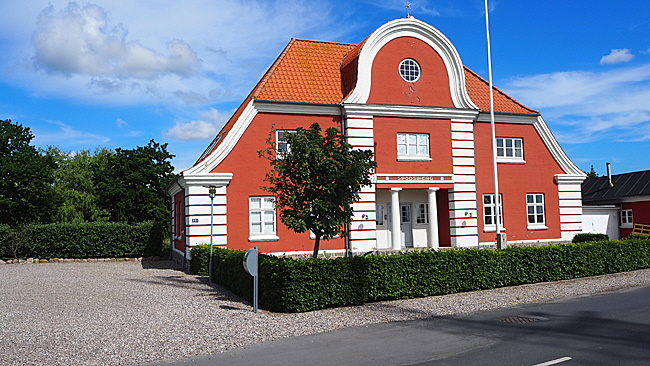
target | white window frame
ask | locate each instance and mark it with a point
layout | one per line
(410, 70)
(510, 150)
(418, 141)
(492, 227)
(263, 208)
(627, 218)
(421, 213)
(281, 143)
(536, 201)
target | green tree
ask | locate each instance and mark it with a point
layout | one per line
(26, 177)
(317, 181)
(592, 173)
(74, 185)
(130, 184)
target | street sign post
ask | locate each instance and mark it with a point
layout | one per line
(251, 265)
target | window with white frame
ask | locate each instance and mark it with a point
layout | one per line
(535, 210)
(422, 213)
(409, 70)
(510, 149)
(281, 145)
(490, 212)
(413, 146)
(626, 218)
(262, 218)
(379, 213)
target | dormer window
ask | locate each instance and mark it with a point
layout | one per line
(409, 70)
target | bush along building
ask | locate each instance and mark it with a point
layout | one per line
(404, 94)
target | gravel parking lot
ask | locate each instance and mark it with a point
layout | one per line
(126, 313)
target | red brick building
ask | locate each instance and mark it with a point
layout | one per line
(403, 93)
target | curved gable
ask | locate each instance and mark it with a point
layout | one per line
(416, 33)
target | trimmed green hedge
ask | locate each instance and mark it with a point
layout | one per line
(86, 240)
(584, 237)
(291, 285)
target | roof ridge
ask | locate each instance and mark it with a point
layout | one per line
(500, 91)
(317, 41)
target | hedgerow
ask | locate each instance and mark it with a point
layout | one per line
(292, 285)
(84, 240)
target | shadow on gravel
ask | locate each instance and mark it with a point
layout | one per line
(186, 281)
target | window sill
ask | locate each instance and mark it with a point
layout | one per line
(263, 238)
(627, 226)
(413, 158)
(537, 227)
(492, 229)
(510, 161)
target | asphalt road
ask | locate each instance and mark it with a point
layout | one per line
(607, 329)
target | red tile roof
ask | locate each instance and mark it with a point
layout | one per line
(307, 71)
(325, 72)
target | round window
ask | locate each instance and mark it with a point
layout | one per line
(409, 70)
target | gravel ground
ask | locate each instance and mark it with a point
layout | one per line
(125, 313)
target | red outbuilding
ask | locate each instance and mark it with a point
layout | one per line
(404, 94)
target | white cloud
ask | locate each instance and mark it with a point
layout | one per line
(68, 135)
(121, 123)
(205, 128)
(617, 56)
(174, 53)
(590, 106)
(80, 40)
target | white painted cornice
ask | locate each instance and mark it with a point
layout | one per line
(270, 106)
(205, 180)
(570, 178)
(407, 111)
(527, 119)
(411, 27)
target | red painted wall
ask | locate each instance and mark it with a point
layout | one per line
(439, 131)
(516, 180)
(640, 215)
(388, 87)
(249, 171)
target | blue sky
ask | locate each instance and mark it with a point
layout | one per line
(107, 73)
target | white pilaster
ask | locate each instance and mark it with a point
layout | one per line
(434, 240)
(396, 232)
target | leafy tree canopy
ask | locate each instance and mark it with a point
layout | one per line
(26, 177)
(130, 184)
(317, 181)
(74, 185)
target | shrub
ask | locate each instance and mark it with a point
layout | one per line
(292, 285)
(585, 237)
(92, 240)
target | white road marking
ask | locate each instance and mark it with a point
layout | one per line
(553, 362)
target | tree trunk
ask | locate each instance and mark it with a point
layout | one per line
(316, 245)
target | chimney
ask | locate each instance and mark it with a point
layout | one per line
(609, 174)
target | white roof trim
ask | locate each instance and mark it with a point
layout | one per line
(411, 27)
(556, 150)
(228, 143)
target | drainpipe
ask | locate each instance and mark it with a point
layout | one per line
(348, 250)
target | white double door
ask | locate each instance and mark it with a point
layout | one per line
(406, 224)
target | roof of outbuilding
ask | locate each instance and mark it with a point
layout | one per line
(325, 72)
(598, 190)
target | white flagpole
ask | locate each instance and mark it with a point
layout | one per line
(497, 198)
